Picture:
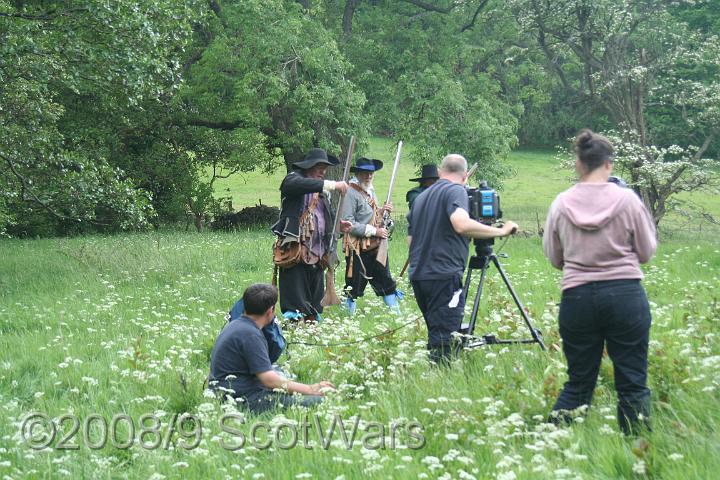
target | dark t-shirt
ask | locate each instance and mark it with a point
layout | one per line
(436, 251)
(240, 350)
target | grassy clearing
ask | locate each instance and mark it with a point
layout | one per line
(125, 324)
(535, 182)
(247, 190)
(526, 195)
(120, 324)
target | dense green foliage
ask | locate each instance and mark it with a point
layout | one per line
(116, 115)
(75, 80)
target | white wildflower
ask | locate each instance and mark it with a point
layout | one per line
(639, 467)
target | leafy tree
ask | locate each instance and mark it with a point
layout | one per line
(58, 62)
(276, 73)
(116, 113)
(654, 79)
(664, 171)
(431, 76)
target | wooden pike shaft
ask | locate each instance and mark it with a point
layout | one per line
(381, 256)
(471, 172)
(346, 173)
(330, 297)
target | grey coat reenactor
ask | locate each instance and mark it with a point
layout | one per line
(361, 243)
(358, 209)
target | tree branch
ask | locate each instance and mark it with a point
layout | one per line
(552, 58)
(348, 14)
(706, 144)
(480, 7)
(26, 190)
(215, 7)
(430, 6)
(43, 16)
(230, 173)
(417, 16)
(199, 122)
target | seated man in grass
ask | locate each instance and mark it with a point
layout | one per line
(240, 362)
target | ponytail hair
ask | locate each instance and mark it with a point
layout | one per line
(593, 150)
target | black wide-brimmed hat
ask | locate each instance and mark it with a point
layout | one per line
(366, 165)
(428, 172)
(315, 156)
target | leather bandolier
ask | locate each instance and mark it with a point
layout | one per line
(352, 245)
(288, 252)
(307, 228)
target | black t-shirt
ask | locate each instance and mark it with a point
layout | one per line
(240, 350)
(436, 251)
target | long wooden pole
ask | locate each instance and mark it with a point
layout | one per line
(331, 297)
(382, 252)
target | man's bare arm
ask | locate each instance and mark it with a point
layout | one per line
(272, 380)
(466, 226)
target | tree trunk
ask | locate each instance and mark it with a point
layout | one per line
(295, 155)
(199, 221)
(350, 6)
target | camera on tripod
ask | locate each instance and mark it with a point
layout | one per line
(484, 204)
(485, 208)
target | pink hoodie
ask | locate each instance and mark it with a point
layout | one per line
(598, 231)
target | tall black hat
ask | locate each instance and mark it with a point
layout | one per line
(315, 156)
(428, 172)
(366, 165)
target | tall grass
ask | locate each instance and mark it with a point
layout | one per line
(125, 324)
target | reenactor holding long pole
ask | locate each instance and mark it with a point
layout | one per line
(305, 230)
(365, 245)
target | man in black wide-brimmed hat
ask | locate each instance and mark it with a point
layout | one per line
(428, 176)
(362, 241)
(306, 223)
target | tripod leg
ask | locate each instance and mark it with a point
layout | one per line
(468, 278)
(533, 331)
(466, 289)
(478, 294)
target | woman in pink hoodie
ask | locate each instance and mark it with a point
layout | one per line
(598, 234)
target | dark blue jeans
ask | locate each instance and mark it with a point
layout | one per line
(434, 298)
(613, 313)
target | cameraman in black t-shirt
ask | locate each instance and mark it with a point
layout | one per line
(240, 363)
(439, 229)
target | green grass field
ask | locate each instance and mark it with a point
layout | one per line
(526, 195)
(249, 189)
(124, 325)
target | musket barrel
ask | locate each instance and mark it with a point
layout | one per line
(330, 297)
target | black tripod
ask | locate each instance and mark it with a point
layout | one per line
(484, 255)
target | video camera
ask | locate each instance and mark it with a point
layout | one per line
(484, 204)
